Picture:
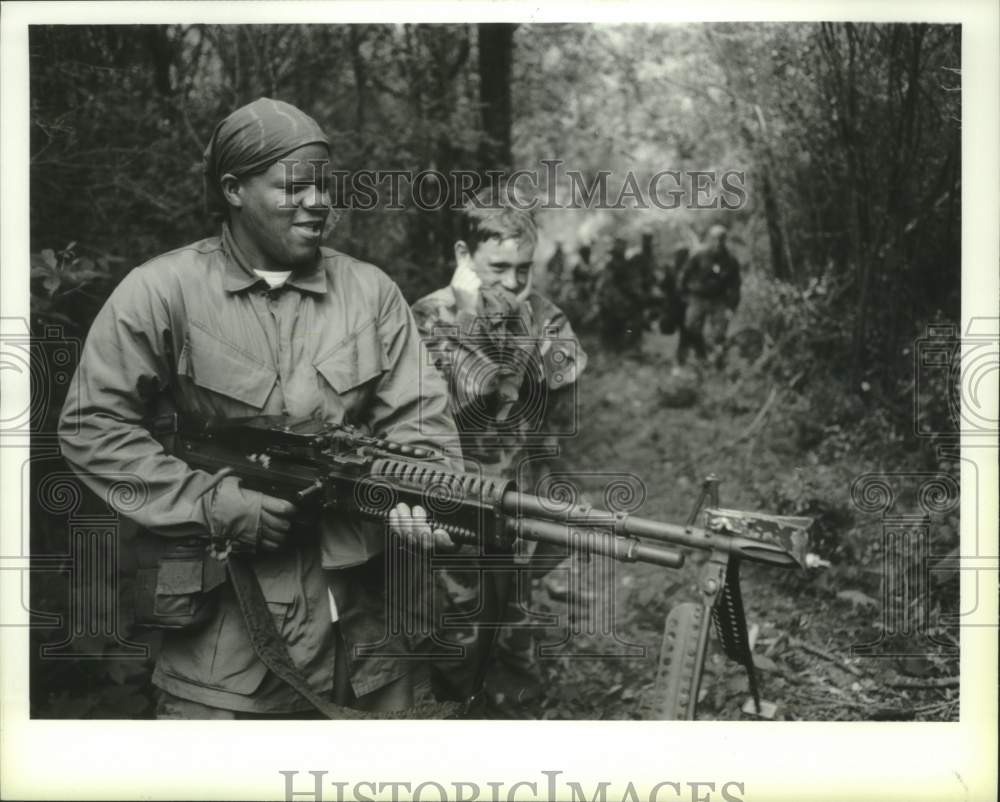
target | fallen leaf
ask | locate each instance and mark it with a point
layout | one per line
(767, 709)
(857, 598)
(764, 663)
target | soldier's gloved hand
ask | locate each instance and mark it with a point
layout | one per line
(246, 520)
(412, 526)
(466, 285)
(275, 522)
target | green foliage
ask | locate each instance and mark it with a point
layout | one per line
(800, 323)
(120, 116)
(67, 283)
(869, 192)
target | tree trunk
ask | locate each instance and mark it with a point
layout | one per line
(161, 53)
(358, 67)
(775, 236)
(496, 49)
(780, 263)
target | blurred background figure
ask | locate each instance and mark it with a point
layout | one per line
(555, 266)
(642, 266)
(671, 305)
(709, 289)
(575, 294)
(622, 299)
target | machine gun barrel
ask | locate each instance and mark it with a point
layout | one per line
(772, 541)
(623, 549)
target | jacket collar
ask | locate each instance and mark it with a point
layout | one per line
(239, 276)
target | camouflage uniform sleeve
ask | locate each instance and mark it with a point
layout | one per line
(563, 357)
(454, 346)
(563, 360)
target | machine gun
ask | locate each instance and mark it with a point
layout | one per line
(323, 466)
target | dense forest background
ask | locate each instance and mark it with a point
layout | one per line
(849, 136)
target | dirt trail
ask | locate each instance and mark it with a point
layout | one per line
(804, 629)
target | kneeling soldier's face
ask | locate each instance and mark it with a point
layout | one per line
(282, 211)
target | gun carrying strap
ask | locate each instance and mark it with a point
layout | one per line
(272, 651)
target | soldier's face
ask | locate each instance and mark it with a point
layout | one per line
(505, 263)
(282, 211)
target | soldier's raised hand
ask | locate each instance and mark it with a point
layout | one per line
(465, 283)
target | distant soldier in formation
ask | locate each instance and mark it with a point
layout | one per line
(576, 296)
(582, 268)
(626, 294)
(620, 300)
(709, 288)
(671, 304)
(555, 266)
(643, 269)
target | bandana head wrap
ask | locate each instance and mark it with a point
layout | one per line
(252, 138)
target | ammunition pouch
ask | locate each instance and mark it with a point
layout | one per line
(175, 582)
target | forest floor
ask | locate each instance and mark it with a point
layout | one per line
(804, 624)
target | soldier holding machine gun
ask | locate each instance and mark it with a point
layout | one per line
(260, 320)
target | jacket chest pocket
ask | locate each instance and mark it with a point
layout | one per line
(348, 376)
(227, 380)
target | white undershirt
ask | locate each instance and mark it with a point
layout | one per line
(274, 278)
(334, 616)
